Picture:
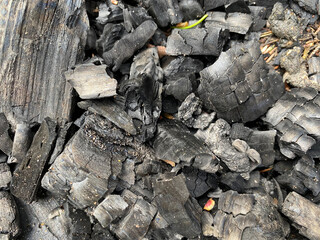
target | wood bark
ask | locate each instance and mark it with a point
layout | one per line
(39, 40)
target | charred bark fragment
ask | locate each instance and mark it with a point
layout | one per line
(296, 117)
(175, 142)
(304, 214)
(197, 41)
(26, 178)
(124, 48)
(248, 216)
(239, 85)
(39, 40)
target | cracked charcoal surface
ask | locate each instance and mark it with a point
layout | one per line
(196, 41)
(248, 216)
(296, 118)
(176, 143)
(239, 85)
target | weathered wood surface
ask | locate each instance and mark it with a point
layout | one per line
(38, 41)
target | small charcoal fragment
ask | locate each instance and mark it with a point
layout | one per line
(5, 140)
(21, 142)
(5, 176)
(9, 221)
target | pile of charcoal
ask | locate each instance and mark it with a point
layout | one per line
(194, 119)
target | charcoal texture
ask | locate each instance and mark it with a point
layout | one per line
(239, 85)
(296, 118)
(175, 142)
(124, 48)
(9, 221)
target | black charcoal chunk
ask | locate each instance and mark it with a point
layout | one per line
(296, 118)
(111, 208)
(136, 223)
(175, 142)
(111, 33)
(26, 178)
(207, 224)
(303, 213)
(303, 176)
(172, 197)
(5, 140)
(199, 182)
(196, 41)
(239, 85)
(311, 6)
(165, 12)
(235, 154)
(124, 48)
(262, 141)
(211, 4)
(109, 12)
(259, 17)
(189, 109)
(5, 176)
(284, 23)
(134, 16)
(21, 142)
(91, 81)
(111, 111)
(237, 183)
(239, 6)
(9, 221)
(99, 233)
(179, 86)
(305, 17)
(234, 22)
(177, 65)
(314, 65)
(191, 9)
(248, 216)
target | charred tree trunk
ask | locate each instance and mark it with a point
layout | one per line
(39, 39)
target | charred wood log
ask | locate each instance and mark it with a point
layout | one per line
(40, 40)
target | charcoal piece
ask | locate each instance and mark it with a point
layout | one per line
(262, 141)
(159, 38)
(109, 12)
(284, 23)
(296, 118)
(63, 131)
(159, 229)
(111, 208)
(191, 9)
(124, 48)
(88, 167)
(199, 182)
(128, 172)
(311, 6)
(179, 86)
(196, 41)
(111, 33)
(143, 103)
(81, 225)
(129, 197)
(21, 142)
(5, 176)
(5, 140)
(304, 214)
(190, 108)
(173, 65)
(234, 22)
(314, 65)
(136, 223)
(239, 86)
(111, 111)
(258, 17)
(203, 120)
(99, 233)
(212, 4)
(134, 16)
(175, 143)
(296, 74)
(146, 64)
(301, 177)
(248, 216)
(174, 204)
(165, 12)
(207, 224)
(239, 6)
(26, 178)
(170, 104)
(306, 18)
(237, 183)
(147, 167)
(3, 158)
(91, 81)
(9, 221)
(217, 137)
